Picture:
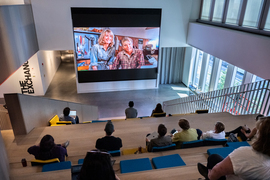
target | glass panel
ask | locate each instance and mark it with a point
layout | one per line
(209, 71)
(218, 10)
(239, 77)
(253, 10)
(222, 75)
(233, 12)
(256, 78)
(198, 69)
(267, 23)
(206, 9)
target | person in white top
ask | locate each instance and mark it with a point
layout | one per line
(244, 163)
(218, 133)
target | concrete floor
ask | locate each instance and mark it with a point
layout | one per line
(111, 104)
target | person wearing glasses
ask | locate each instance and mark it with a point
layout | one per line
(97, 166)
(109, 142)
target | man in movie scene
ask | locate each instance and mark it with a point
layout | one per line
(102, 54)
(129, 58)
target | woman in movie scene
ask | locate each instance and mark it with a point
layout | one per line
(102, 54)
(246, 162)
(97, 166)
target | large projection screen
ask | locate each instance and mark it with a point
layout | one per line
(116, 44)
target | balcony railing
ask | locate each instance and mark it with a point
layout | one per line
(250, 98)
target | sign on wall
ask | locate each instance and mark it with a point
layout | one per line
(27, 84)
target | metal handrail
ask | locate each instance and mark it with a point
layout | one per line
(252, 98)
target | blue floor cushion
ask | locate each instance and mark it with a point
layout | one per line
(56, 166)
(236, 145)
(168, 161)
(224, 151)
(135, 165)
(80, 161)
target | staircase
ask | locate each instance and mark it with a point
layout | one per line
(252, 98)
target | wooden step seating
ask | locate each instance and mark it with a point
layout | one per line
(132, 132)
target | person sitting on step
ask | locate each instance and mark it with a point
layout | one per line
(109, 142)
(187, 133)
(161, 140)
(244, 132)
(218, 133)
(246, 162)
(47, 149)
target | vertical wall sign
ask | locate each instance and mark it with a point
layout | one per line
(27, 84)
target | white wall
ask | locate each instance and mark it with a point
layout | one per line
(245, 50)
(41, 75)
(54, 26)
(54, 29)
(49, 62)
(12, 84)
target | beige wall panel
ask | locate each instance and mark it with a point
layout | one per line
(28, 112)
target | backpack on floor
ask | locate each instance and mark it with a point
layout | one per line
(232, 138)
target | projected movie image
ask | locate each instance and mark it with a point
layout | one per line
(116, 48)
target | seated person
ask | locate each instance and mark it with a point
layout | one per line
(131, 112)
(244, 132)
(109, 142)
(247, 162)
(158, 109)
(47, 149)
(187, 134)
(218, 133)
(161, 140)
(66, 116)
(97, 165)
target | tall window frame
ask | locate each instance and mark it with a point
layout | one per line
(197, 67)
(262, 27)
(209, 70)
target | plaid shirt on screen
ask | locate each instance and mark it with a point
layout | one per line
(125, 61)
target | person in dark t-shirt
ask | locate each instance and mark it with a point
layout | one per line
(47, 149)
(109, 142)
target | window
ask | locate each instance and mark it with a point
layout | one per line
(198, 68)
(257, 78)
(222, 75)
(239, 77)
(267, 23)
(218, 10)
(209, 72)
(252, 13)
(206, 9)
(233, 12)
